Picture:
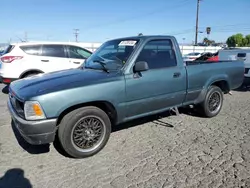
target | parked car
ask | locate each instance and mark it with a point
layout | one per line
(124, 79)
(22, 60)
(191, 56)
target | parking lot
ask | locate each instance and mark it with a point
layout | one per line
(173, 151)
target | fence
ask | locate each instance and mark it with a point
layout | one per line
(184, 49)
(189, 49)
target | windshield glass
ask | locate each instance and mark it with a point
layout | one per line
(112, 54)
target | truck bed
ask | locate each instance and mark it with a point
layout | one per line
(200, 74)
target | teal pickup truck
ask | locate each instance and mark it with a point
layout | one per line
(124, 79)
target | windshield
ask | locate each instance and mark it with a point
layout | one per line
(112, 54)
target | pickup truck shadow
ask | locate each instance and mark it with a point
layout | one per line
(32, 149)
(5, 90)
(155, 119)
(14, 178)
(243, 88)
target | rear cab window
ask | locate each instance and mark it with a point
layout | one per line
(241, 55)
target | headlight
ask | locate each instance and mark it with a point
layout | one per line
(33, 110)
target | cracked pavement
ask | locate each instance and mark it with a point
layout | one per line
(184, 151)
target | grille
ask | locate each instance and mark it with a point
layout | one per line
(17, 105)
(246, 70)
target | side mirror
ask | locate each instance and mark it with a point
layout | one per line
(140, 66)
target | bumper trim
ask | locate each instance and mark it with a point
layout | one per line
(3, 80)
(34, 132)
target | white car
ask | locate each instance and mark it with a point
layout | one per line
(192, 56)
(22, 60)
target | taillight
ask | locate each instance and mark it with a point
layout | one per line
(9, 59)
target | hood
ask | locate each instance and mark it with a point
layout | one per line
(56, 81)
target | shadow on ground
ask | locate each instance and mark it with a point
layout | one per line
(5, 90)
(32, 149)
(156, 119)
(243, 88)
(14, 178)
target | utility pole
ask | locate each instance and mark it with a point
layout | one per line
(76, 34)
(197, 21)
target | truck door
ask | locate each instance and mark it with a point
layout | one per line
(162, 86)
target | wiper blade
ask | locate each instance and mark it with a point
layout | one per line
(102, 64)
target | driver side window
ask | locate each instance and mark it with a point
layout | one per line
(158, 54)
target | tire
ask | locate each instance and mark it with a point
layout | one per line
(204, 107)
(71, 121)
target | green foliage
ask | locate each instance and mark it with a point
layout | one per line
(238, 40)
(207, 41)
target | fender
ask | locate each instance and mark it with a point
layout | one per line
(211, 81)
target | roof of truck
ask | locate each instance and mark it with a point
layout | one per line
(144, 37)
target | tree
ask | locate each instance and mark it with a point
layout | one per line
(248, 40)
(207, 41)
(238, 40)
(140, 34)
(231, 42)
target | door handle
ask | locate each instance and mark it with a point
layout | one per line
(45, 60)
(176, 74)
(76, 62)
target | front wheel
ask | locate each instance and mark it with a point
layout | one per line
(84, 131)
(213, 102)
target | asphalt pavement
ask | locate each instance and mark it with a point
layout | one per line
(159, 151)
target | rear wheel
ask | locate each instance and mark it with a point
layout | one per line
(213, 102)
(84, 131)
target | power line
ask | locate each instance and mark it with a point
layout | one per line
(156, 11)
(230, 25)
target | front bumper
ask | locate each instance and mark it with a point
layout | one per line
(34, 132)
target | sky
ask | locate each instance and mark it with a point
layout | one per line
(101, 20)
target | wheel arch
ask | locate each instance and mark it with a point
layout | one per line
(29, 71)
(221, 82)
(106, 106)
(223, 85)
